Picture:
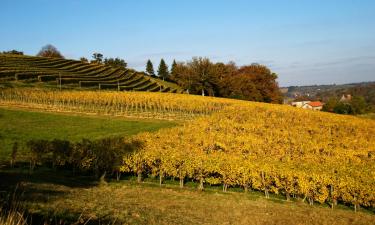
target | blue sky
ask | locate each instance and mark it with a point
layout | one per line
(304, 42)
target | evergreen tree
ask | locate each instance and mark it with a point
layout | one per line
(163, 69)
(150, 68)
(173, 68)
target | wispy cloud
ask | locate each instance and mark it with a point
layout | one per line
(346, 60)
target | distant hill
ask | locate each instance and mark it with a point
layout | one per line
(71, 74)
(316, 90)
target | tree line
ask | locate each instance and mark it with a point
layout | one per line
(361, 100)
(200, 76)
(252, 82)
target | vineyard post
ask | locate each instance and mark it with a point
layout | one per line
(118, 85)
(60, 80)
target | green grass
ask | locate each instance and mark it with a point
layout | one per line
(368, 116)
(56, 196)
(22, 125)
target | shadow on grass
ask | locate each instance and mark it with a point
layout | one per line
(18, 189)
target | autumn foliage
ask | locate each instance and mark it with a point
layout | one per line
(317, 157)
(253, 82)
(313, 156)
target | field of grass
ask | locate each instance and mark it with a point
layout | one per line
(21, 125)
(368, 116)
(60, 197)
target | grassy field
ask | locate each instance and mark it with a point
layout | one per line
(60, 197)
(21, 125)
(368, 116)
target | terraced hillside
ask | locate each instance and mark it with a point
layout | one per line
(69, 73)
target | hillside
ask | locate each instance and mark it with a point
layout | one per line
(66, 73)
(366, 90)
(224, 145)
(319, 91)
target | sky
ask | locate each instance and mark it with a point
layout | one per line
(304, 42)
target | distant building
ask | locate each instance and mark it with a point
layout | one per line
(313, 106)
(346, 98)
(299, 104)
(317, 105)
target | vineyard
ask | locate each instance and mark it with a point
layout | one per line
(307, 155)
(134, 104)
(312, 156)
(73, 74)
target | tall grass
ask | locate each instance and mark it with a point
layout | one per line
(12, 217)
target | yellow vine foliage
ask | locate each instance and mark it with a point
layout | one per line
(316, 156)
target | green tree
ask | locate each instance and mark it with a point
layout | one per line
(98, 57)
(38, 148)
(84, 60)
(343, 108)
(359, 105)
(13, 52)
(183, 76)
(163, 70)
(150, 68)
(173, 68)
(205, 77)
(50, 51)
(330, 104)
(115, 62)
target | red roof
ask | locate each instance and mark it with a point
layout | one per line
(315, 104)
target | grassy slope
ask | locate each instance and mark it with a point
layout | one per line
(21, 125)
(46, 194)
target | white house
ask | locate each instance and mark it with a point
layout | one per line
(313, 106)
(300, 104)
(308, 105)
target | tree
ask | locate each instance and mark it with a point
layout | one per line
(84, 60)
(255, 83)
(359, 105)
(38, 148)
(13, 52)
(173, 68)
(330, 104)
(150, 68)
(98, 58)
(163, 70)
(343, 108)
(205, 77)
(115, 62)
(183, 76)
(50, 51)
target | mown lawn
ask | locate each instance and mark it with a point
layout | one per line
(21, 125)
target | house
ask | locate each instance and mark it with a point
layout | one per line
(299, 104)
(346, 98)
(313, 105)
(316, 105)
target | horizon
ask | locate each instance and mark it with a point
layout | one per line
(305, 42)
